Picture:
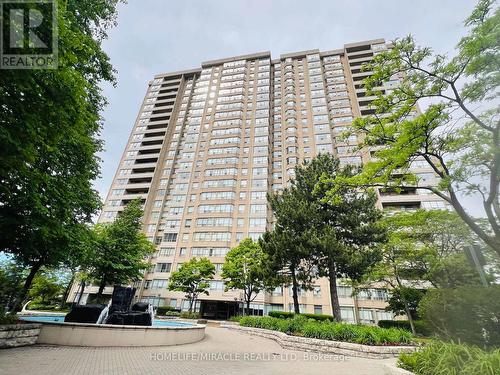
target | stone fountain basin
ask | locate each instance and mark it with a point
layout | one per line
(83, 334)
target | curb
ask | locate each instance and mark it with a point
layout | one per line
(325, 346)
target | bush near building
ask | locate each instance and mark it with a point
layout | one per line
(302, 326)
(441, 358)
(420, 326)
(163, 310)
(468, 314)
(289, 315)
(190, 315)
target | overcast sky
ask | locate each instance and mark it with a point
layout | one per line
(155, 36)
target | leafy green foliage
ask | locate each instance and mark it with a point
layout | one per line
(172, 313)
(281, 314)
(7, 318)
(467, 314)
(46, 291)
(189, 315)
(119, 249)
(425, 245)
(192, 279)
(49, 131)
(11, 282)
(162, 310)
(420, 326)
(402, 298)
(465, 154)
(302, 326)
(440, 358)
(336, 238)
(319, 317)
(245, 268)
(290, 315)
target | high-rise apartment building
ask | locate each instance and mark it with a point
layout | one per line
(209, 143)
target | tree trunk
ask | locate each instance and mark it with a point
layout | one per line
(27, 284)
(80, 293)
(191, 302)
(247, 307)
(334, 297)
(407, 306)
(295, 295)
(492, 241)
(66, 290)
(408, 314)
(102, 285)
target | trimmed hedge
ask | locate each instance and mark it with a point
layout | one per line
(190, 315)
(302, 326)
(319, 317)
(420, 326)
(441, 358)
(290, 315)
(281, 314)
(172, 313)
(162, 310)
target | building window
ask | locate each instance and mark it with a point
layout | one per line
(347, 314)
(163, 267)
(159, 284)
(170, 237)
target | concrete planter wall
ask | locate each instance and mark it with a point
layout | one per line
(325, 346)
(13, 335)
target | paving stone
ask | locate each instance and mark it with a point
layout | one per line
(222, 352)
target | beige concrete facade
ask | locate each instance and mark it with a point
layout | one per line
(209, 143)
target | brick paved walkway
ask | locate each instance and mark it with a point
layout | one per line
(244, 354)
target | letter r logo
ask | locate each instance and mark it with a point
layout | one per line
(19, 28)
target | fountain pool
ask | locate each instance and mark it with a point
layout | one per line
(55, 331)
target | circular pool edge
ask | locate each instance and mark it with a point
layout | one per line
(97, 335)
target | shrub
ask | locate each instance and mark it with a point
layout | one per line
(301, 325)
(162, 310)
(319, 317)
(468, 314)
(281, 314)
(172, 313)
(235, 318)
(189, 315)
(289, 315)
(43, 306)
(420, 326)
(7, 318)
(440, 358)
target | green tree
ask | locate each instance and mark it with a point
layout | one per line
(46, 289)
(468, 314)
(49, 126)
(424, 248)
(12, 276)
(403, 300)
(192, 279)
(321, 237)
(245, 268)
(286, 245)
(457, 135)
(346, 232)
(120, 249)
